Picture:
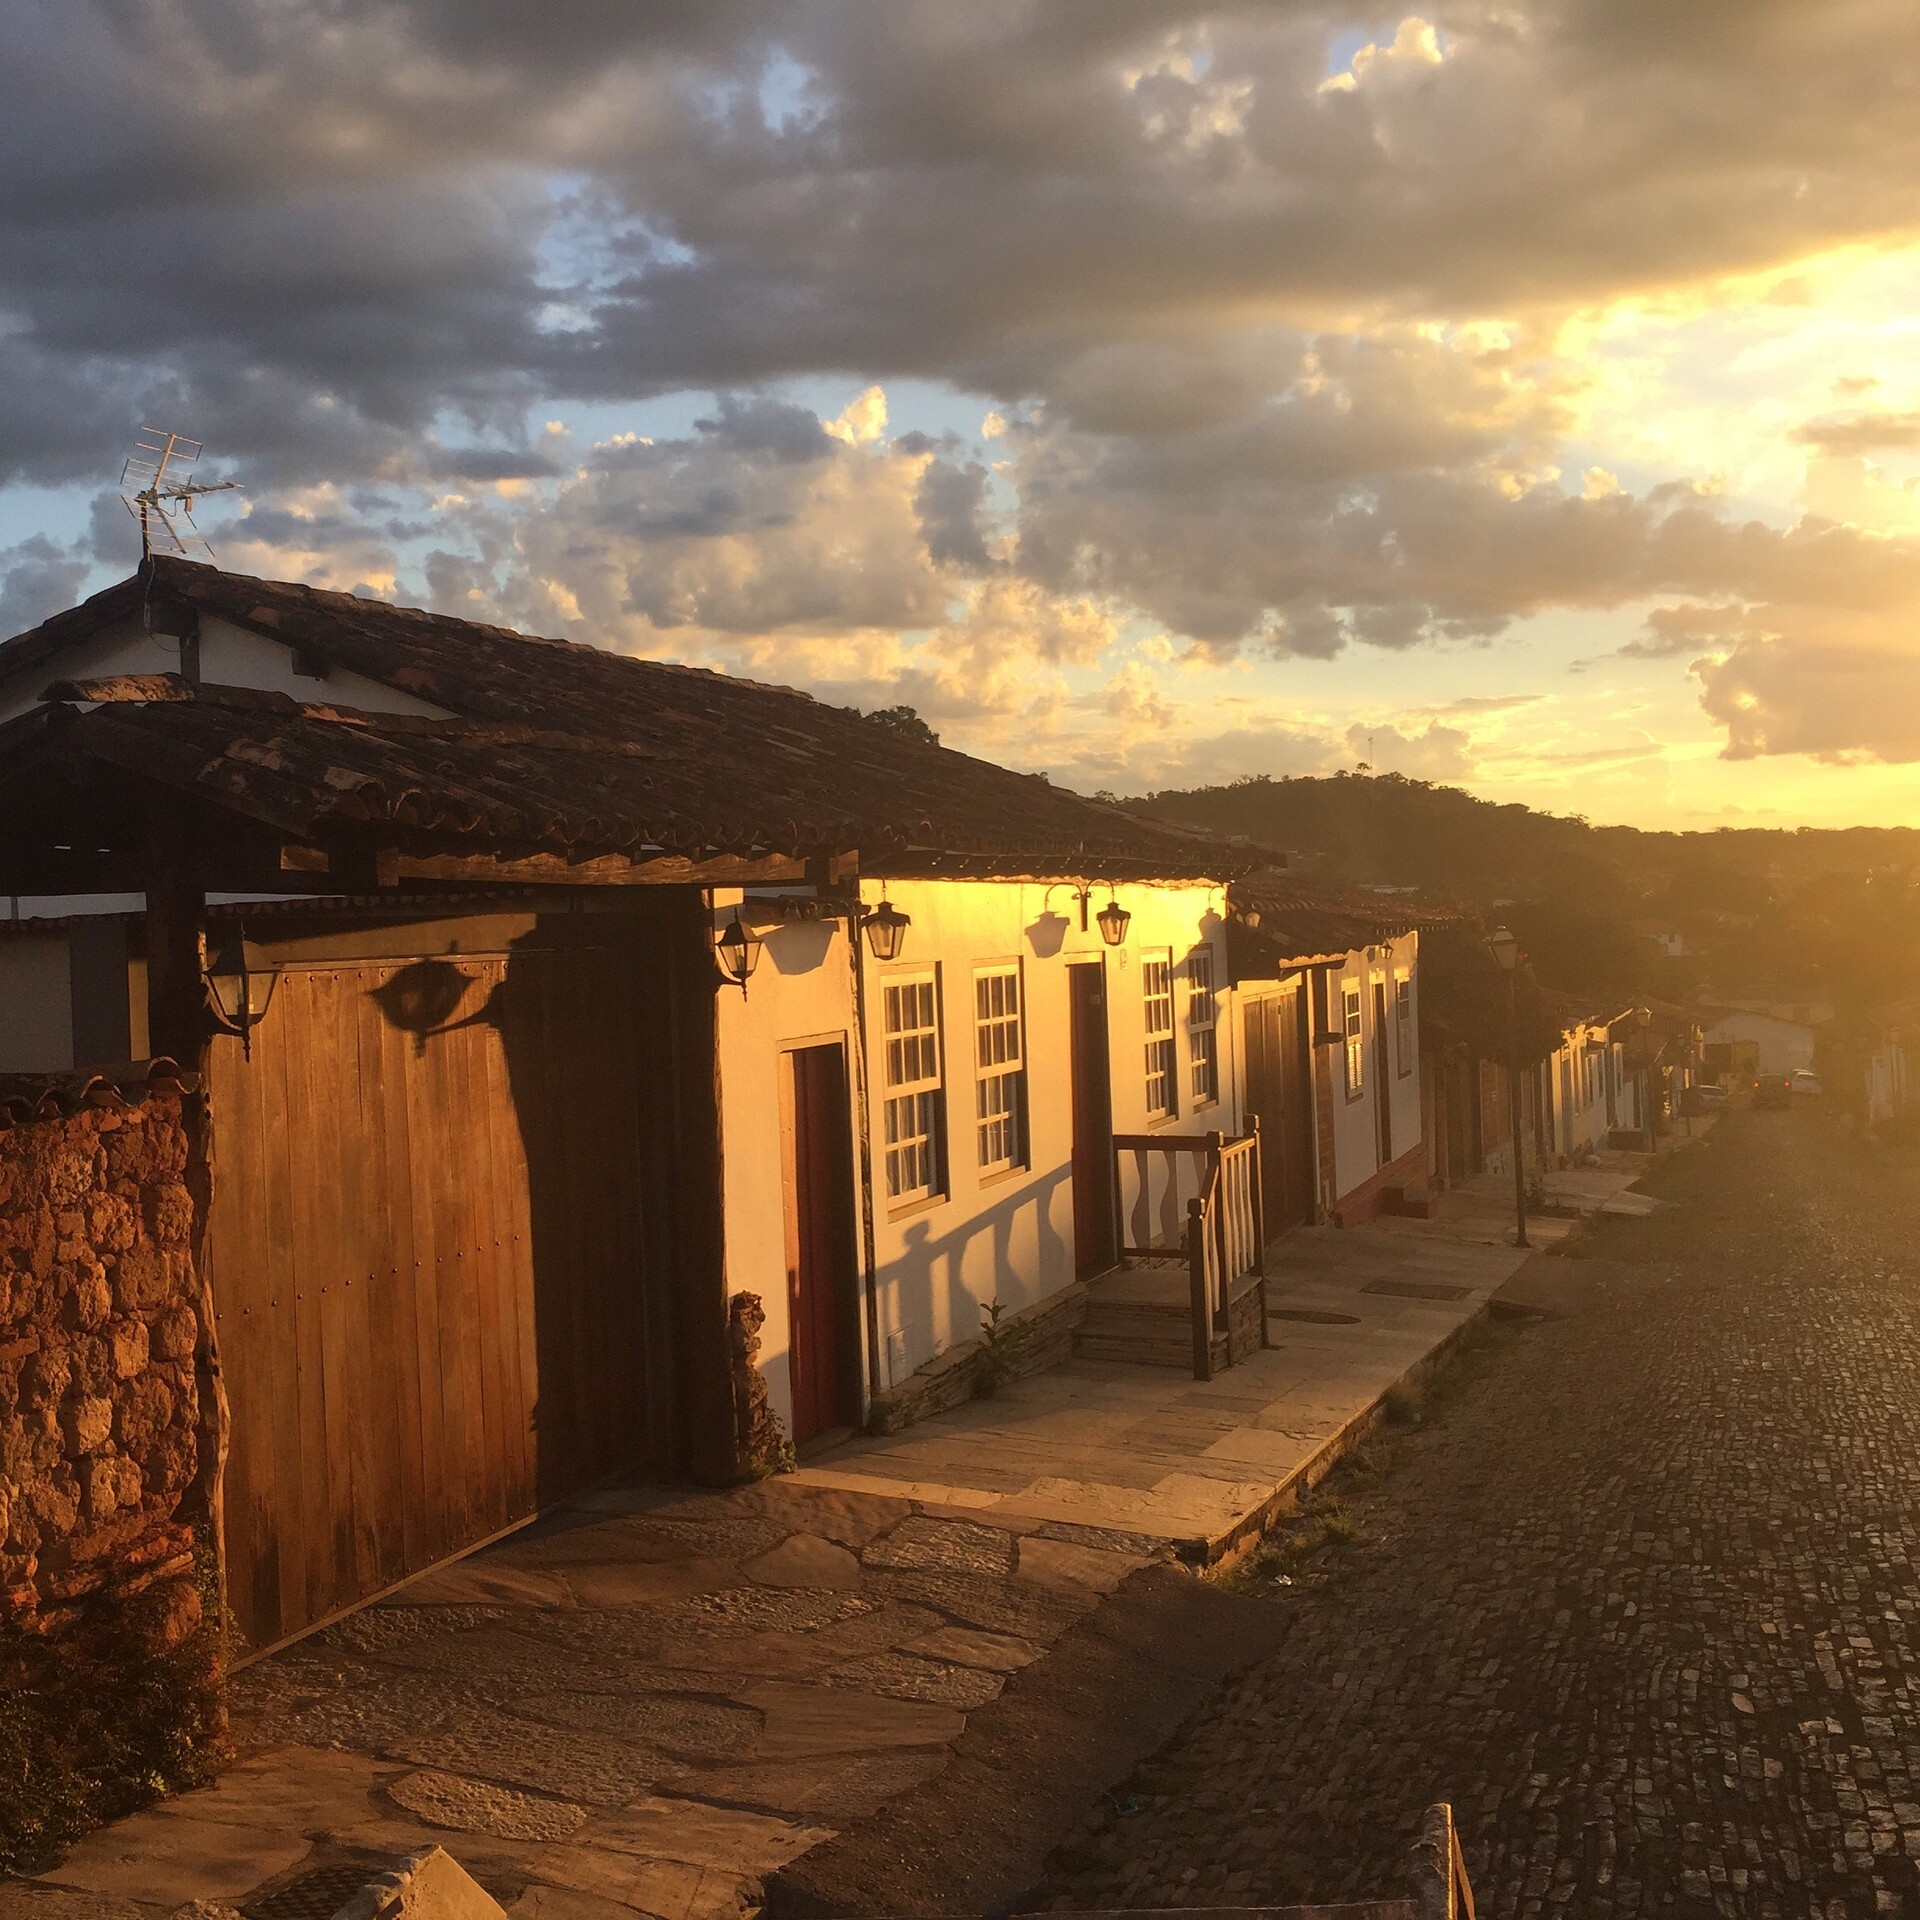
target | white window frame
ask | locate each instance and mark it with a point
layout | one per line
(1000, 1068)
(1403, 1022)
(1353, 1028)
(1203, 1029)
(915, 1107)
(1162, 1055)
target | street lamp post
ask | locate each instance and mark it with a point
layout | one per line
(1643, 1017)
(1506, 951)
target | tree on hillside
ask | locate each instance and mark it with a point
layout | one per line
(905, 720)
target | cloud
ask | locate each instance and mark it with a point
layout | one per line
(1836, 703)
(1277, 360)
(1861, 433)
(1436, 753)
(37, 577)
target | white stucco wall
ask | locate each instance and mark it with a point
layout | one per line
(801, 992)
(1783, 1044)
(1356, 1136)
(1005, 1236)
(36, 1003)
(230, 656)
(1580, 1104)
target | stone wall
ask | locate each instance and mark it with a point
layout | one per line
(1044, 1337)
(100, 1322)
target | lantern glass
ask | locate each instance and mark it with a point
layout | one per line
(887, 930)
(1114, 920)
(1504, 948)
(738, 951)
(241, 993)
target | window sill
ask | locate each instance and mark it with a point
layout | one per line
(999, 1176)
(906, 1209)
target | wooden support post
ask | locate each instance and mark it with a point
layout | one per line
(1260, 1227)
(705, 1411)
(177, 1022)
(1201, 1306)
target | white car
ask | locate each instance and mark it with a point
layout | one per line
(1805, 1080)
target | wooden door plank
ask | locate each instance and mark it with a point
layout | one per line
(380, 1473)
(413, 1308)
(236, 1246)
(506, 1186)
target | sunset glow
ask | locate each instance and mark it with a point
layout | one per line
(1520, 397)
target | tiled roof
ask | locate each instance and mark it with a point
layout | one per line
(26, 1097)
(1291, 921)
(572, 748)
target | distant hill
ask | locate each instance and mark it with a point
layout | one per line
(1837, 908)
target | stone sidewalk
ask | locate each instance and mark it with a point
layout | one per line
(1151, 1454)
(644, 1703)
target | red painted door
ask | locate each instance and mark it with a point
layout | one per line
(822, 1305)
(1093, 1223)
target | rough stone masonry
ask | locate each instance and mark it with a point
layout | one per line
(100, 1321)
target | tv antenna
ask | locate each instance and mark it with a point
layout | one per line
(156, 469)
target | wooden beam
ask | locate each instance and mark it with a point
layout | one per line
(608, 870)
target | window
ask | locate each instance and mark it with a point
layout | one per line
(1156, 988)
(913, 1088)
(1201, 1049)
(1403, 1021)
(1356, 1041)
(1000, 1060)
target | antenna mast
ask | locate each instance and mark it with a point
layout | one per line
(156, 458)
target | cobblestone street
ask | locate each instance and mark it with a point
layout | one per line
(1639, 1599)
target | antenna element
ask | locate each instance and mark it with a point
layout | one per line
(158, 496)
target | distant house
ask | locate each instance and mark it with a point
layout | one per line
(1588, 1092)
(1327, 993)
(1670, 939)
(613, 1015)
(1742, 1041)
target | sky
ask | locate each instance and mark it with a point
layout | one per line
(1522, 396)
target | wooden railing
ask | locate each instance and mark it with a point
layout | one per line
(1221, 1240)
(1440, 1869)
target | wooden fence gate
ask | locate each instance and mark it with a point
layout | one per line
(436, 1202)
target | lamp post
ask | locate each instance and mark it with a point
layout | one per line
(1506, 952)
(1643, 1018)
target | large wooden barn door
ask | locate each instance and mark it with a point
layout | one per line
(429, 1240)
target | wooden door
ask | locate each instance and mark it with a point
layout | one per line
(1280, 1093)
(1382, 1075)
(432, 1191)
(822, 1304)
(1094, 1249)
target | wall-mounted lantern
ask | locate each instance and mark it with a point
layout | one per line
(1114, 920)
(737, 952)
(237, 994)
(887, 930)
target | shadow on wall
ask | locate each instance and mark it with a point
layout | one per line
(580, 1022)
(933, 1267)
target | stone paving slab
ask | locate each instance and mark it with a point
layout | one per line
(1195, 1464)
(644, 1703)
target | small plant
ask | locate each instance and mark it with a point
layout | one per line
(1401, 1404)
(1002, 1351)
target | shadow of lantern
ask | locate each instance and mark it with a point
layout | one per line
(422, 998)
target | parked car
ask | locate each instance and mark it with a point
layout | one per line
(1773, 1090)
(1703, 1097)
(1806, 1081)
